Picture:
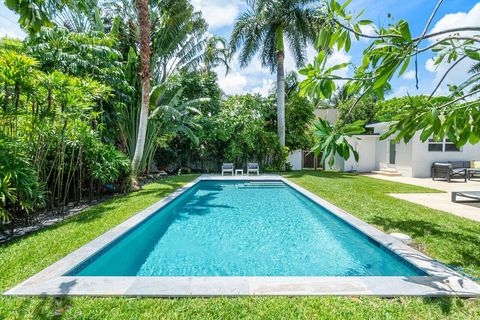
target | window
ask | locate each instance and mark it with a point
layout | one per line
(449, 146)
(435, 146)
(441, 146)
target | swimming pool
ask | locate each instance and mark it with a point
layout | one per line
(245, 228)
(230, 236)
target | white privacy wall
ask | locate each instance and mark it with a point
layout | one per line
(295, 159)
(366, 147)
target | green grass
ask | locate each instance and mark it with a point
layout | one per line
(448, 238)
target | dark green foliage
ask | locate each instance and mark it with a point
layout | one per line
(366, 109)
(54, 122)
(299, 119)
(20, 188)
(241, 128)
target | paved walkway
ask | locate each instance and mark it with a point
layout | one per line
(439, 201)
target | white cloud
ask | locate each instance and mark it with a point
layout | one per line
(233, 83)
(290, 64)
(369, 30)
(400, 92)
(11, 32)
(265, 88)
(338, 57)
(257, 79)
(409, 75)
(460, 71)
(217, 13)
(459, 19)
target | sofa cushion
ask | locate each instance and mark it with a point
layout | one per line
(475, 164)
(227, 166)
(458, 170)
(443, 164)
(460, 164)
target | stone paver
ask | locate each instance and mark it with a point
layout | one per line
(439, 201)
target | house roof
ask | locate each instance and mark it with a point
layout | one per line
(377, 124)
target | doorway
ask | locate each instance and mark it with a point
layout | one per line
(393, 152)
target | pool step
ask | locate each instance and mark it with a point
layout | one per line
(262, 184)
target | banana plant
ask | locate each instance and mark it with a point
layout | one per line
(169, 115)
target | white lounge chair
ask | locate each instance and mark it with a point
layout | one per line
(253, 167)
(227, 168)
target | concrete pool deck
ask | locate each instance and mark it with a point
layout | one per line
(438, 201)
(441, 281)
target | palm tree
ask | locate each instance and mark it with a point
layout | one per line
(263, 27)
(145, 55)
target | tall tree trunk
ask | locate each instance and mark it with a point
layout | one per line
(145, 53)
(281, 97)
(280, 86)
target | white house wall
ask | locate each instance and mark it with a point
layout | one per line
(423, 159)
(403, 159)
(381, 154)
(331, 115)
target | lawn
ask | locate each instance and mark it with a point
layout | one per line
(451, 239)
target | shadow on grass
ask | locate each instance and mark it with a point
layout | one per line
(419, 228)
(42, 307)
(320, 174)
(445, 304)
(98, 211)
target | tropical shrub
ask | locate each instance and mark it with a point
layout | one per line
(242, 127)
(20, 188)
(55, 124)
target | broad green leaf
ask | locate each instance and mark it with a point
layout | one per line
(348, 43)
(365, 22)
(405, 31)
(404, 66)
(472, 54)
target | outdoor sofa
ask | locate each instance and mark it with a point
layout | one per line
(456, 170)
(450, 170)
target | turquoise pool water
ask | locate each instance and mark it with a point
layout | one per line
(241, 228)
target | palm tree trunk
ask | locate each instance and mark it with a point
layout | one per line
(145, 53)
(281, 97)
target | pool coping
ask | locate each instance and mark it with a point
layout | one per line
(441, 280)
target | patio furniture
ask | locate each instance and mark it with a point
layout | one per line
(473, 173)
(450, 170)
(253, 167)
(239, 172)
(472, 195)
(227, 168)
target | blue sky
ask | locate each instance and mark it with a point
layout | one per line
(221, 14)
